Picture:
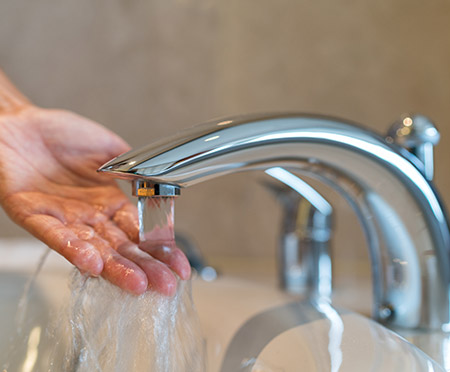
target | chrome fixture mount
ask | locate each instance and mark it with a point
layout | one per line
(145, 188)
(418, 135)
(388, 187)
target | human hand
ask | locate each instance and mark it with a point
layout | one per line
(49, 186)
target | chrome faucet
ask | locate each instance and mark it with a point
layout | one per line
(304, 260)
(388, 187)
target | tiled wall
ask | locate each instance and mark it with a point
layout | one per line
(147, 68)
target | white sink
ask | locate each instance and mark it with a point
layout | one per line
(248, 326)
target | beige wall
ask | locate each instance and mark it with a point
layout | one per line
(147, 68)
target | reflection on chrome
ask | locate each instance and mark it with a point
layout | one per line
(335, 334)
(296, 183)
(430, 366)
(32, 350)
(446, 353)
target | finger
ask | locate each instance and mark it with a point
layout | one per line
(84, 232)
(170, 255)
(65, 241)
(119, 270)
(126, 218)
(160, 277)
(109, 232)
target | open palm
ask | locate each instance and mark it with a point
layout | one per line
(49, 186)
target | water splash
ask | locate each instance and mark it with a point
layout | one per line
(107, 329)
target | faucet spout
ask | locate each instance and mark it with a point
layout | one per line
(400, 212)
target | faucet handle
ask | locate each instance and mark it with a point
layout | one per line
(417, 134)
(304, 252)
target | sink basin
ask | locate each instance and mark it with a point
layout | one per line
(247, 326)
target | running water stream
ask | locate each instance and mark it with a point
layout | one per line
(112, 331)
(156, 219)
(102, 328)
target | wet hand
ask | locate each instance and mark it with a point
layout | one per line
(49, 186)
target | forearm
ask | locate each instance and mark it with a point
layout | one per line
(11, 100)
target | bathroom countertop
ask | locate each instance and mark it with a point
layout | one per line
(352, 283)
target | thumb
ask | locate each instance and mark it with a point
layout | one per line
(11, 99)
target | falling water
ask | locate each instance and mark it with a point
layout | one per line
(156, 219)
(111, 330)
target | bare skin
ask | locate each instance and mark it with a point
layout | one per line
(50, 187)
